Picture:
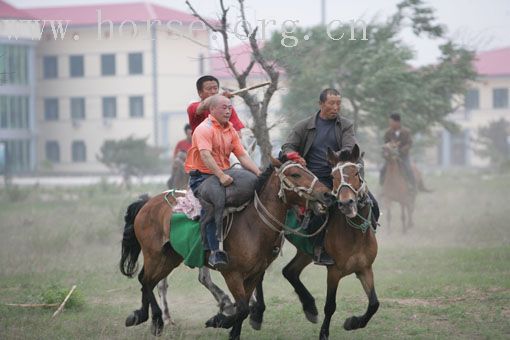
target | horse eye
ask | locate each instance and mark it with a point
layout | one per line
(295, 175)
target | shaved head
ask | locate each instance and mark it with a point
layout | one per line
(217, 100)
(220, 108)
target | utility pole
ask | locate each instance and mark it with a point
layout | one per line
(323, 12)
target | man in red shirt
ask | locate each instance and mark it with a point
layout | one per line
(185, 144)
(208, 86)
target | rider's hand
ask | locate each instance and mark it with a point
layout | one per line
(301, 161)
(226, 180)
(228, 94)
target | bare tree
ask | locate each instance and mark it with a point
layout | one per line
(258, 107)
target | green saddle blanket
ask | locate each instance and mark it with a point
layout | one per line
(186, 240)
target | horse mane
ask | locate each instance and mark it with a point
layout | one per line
(263, 178)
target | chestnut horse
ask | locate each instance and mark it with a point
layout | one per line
(395, 188)
(349, 240)
(252, 244)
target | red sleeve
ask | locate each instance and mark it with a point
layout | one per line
(236, 122)
(178, 148)
(194, 120)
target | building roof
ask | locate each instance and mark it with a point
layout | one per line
(493, 63)
(85, 15)
(241, 55)
(10, 12)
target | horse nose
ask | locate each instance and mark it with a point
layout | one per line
(329, 198)
(347, 203)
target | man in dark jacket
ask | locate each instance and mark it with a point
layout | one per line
(311, 138)
(402, 137)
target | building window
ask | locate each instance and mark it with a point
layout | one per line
(53, 151)
(51, 109)
(50, 67)
(79, 151)
(500, 98)
(77, 108)
(109, 107)
(472, 99)
(17, 155)
(135, 63)
(76, 66)
(13, 64)
(108, 64)
(136, 106)
(14, 112)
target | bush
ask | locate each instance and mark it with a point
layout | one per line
(57, 294)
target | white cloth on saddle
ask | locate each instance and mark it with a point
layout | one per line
(188, 205)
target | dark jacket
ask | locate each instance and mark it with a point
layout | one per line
(405, 139)
(303, 133)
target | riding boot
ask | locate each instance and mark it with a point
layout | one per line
(218, 259)
(320, 256)
(375, 210)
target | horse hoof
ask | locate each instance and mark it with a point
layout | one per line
(157, 326)
(256, 325)
(323, 336)
(353, 323)
(312, 317)
(219, 321)
(132, 320)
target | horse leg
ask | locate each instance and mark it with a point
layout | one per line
(257, 307)
(291, 272)
(334, 276)
(156, 268)
(403, 217)
(388, 216)
(162, 290)
(140, 315)
(249, 287)
(366, 277)
(226, 306)
(235, 283)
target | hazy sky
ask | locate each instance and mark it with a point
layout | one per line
(482, 24)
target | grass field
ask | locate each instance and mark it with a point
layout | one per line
(449, 277)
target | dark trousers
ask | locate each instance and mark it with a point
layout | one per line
(195, 180)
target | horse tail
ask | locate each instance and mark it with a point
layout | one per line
(130, 246)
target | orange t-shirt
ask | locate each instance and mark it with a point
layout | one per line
(220, 141)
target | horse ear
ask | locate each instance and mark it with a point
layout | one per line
(355, 153)
(362, 155)
(332, 157)
(274, 162)
(344, 156)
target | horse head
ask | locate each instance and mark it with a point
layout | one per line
(348, 184)
(299, 186)
(390, 151)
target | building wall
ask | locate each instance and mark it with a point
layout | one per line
(17, 95)
(460, 149)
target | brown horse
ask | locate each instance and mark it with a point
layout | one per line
(252, 244)
(179, 178)
(349, 240)
(395, 188)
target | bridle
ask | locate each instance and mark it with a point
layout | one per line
(286, 185)
(340, 168)
(361, 195)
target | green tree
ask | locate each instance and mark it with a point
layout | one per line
(374, 74)
(130, 157)
(493, 143)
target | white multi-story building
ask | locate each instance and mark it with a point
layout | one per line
(105, 72)
(486, 101)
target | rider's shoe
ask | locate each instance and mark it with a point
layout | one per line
(322, 258)
(218, 260)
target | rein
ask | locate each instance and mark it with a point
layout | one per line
(286, 185)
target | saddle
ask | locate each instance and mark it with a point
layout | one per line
(218, 201)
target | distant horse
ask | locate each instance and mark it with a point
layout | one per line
(349, 240)
(252, 244)
(179, 178)
(395, 187)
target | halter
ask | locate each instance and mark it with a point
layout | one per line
(340, 167)
(366, 223)
(286, 184)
